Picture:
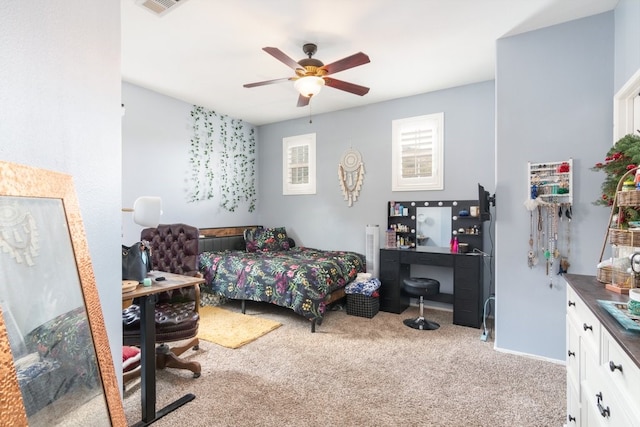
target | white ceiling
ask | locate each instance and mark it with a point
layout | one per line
(203, 51)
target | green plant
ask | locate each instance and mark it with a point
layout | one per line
(621, 158)
(222, 161)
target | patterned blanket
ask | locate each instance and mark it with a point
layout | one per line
(300, 278)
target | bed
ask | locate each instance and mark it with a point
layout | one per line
(264, 264)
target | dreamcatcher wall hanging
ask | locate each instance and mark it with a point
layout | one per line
(18, 233)
(351, 175)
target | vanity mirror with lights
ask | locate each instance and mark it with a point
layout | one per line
(425, 224)
(420, 233)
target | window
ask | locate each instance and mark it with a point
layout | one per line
(299, 164)
(417, 153)
(626, 104)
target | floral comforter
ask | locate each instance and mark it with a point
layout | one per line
(299, 279)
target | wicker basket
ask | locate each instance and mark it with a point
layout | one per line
(623, 280)
(624, 237)
(604, 274)
(628, 198)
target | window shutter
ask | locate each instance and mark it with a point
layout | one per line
(299, 164)
(298, 169)
(417, 153)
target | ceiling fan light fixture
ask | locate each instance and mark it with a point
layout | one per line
(309, 86)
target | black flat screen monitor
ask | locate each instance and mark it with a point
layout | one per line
(484, 203)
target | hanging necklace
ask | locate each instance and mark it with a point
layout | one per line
(539, 233)
(531, 253)
(564, 261)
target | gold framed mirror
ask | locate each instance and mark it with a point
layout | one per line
(55, 360)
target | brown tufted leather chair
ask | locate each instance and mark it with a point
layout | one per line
(174, 249)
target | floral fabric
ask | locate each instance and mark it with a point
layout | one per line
(367, 287)
(299, 279)
(67, 340)
(267, 240)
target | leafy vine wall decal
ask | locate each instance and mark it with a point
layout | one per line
(222, 159)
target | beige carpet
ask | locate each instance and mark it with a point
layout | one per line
(231, 329)
(356, 371)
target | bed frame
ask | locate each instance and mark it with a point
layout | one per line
(232, 238)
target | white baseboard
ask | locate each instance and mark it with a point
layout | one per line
(531, 356)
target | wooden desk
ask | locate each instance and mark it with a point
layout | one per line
(148, 296)
(467, 297)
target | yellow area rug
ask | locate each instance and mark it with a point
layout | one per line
(230, 329)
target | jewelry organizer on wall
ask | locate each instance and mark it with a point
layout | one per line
(549, 202)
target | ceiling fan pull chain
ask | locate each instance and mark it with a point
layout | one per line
(310, 121)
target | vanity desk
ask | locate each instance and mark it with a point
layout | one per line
(467, 297)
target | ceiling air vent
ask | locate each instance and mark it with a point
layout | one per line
(159, 7)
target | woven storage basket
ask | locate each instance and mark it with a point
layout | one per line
(604, 274)
(362, 305)
(628, 198)
(624, 237)
(623, 280)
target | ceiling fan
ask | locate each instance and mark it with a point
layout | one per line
(311, 73)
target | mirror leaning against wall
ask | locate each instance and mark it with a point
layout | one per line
(55, 360)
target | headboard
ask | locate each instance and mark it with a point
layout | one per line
(174, 248)
(222, 238)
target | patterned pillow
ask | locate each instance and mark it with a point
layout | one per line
(267, 240)
(249, 234)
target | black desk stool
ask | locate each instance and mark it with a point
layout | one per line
(421, 287)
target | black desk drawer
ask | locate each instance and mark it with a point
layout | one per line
(389, 256)
(394, 305)
(426, 258)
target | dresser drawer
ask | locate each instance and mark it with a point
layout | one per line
(603, 407)
(587, 323)
(573, 351)
(619, 369)
(574, 417)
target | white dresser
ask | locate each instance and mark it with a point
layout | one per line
(603, 359)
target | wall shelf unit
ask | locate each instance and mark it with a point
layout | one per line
(551, 181)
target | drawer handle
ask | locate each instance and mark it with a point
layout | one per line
(604, 412)
(571, 418)
(572, 303)
(613, 366)
(571, 353)
(585, 327)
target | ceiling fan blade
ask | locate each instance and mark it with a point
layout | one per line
(303, 101)
(267, 82)
(346, 63)
(282, 57)
(346, 86)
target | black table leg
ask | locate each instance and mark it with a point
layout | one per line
(148, 366)
(148, 357)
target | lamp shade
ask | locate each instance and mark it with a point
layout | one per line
(309, 85)
(147, 211)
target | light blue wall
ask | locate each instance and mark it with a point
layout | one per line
(325, 220)
(60, 97)
(554, 91)
(627, 46)
(156, 135)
